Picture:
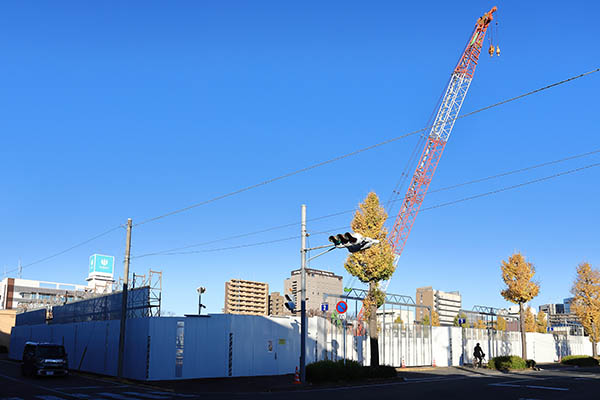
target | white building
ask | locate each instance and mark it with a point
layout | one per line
(26, 294)
(446, 304)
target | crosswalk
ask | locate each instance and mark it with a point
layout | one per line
(129, 395)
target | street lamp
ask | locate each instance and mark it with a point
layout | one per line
(354, 242)
(200, 290)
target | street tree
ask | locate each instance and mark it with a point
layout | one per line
(501, 323)
(479, 324)
(372, 265)
(541, 322)
(530, 323)
(586, 302)
(425, 319)
(517, 274)
(436, 318)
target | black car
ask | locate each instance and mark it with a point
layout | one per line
(44, 359)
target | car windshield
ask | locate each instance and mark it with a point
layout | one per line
(50, 351)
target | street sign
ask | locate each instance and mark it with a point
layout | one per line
(549, 329)
(347, 289)
(341, 307)
(324, 307)
(462, 321)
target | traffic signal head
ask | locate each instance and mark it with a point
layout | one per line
(352, 241)
(289, 304)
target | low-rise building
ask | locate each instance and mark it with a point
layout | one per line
(26, 294)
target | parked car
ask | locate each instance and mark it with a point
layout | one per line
(44, 359)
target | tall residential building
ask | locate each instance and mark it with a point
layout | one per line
(446, 304)
(26, 294)
(246, 297)
(317, 283)
(277, 305)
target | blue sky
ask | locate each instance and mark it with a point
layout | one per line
(113, 110)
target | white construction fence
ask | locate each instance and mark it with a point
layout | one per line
(222, 345)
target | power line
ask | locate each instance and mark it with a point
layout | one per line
(328, 231)
(353, 153)
(68, 249)
(308, 168)
(503, 174)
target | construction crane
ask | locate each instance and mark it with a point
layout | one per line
(455, 94)
(446, 115)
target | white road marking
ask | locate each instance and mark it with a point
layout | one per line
(528, 386)
(546, 387)
(146, 395)
(91, 387)
(117, 396)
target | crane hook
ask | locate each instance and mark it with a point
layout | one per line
(498, 50)
(491, 50)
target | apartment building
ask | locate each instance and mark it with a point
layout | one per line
(246, 297)
(277, 305)
(318, 282)
(446, 304)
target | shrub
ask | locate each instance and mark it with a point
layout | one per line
(333, 371)
(581, 361)
(507, 362)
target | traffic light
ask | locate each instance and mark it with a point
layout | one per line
(352, 241)
(289, 304)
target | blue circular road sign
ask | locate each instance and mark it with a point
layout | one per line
(341, 307)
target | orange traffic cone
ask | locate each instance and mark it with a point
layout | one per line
(297, 377)
(403, 365)
(433, 365)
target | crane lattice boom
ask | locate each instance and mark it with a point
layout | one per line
(439, 134)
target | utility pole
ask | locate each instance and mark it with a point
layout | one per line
(124, 301)
(20, 270)
(303, 321)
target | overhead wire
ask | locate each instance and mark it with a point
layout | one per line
(308, 168)
(464, 199)
(69, 248)
(338, 213)
(355, 152)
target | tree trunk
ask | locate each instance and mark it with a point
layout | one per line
(373, 331)
(523, 336)
(594, 340)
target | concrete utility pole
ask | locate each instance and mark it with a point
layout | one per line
(124, 301)
(303, 321)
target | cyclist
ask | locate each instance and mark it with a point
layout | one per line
(478, 355)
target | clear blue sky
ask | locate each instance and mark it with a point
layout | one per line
(112, 110)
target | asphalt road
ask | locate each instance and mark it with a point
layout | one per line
(444, 383)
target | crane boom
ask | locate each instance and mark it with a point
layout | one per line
(438, 136)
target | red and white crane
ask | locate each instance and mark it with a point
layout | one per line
(439, 134)
(446, 115)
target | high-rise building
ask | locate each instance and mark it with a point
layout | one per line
(246, 297)
(318, 282)
(567, 305)
(277, 305)
(446, 304)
